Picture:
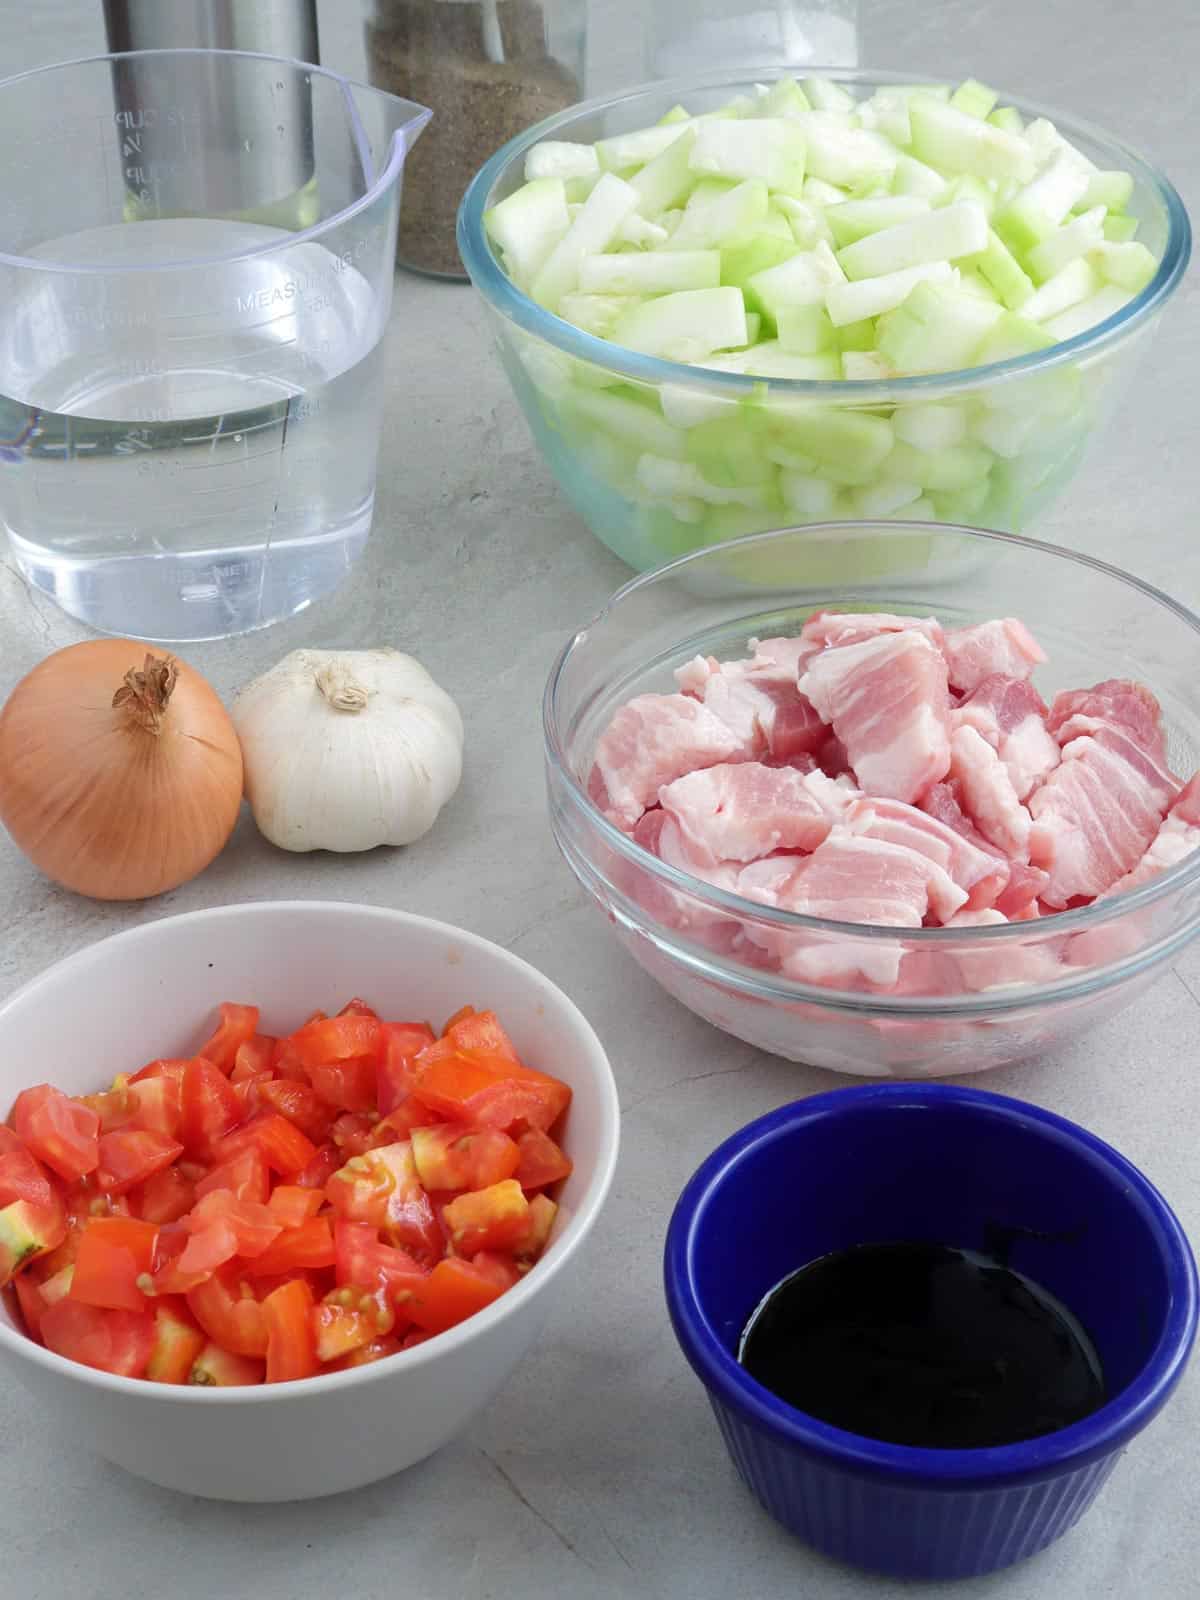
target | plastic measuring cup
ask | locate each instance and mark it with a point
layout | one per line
(196, 265)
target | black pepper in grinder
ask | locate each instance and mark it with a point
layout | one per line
(488, 69)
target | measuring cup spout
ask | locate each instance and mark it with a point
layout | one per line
(390, 124)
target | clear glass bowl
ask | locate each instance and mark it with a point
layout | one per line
(596, 408)
(971, 1000)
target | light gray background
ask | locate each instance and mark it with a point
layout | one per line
(598, 1471)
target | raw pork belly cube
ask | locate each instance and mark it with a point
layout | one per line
(763, 705)
(888, 703)
(826, 629)
(1097, 813)
(764, 880)
(1186, 807)
(648, 830)
(1011, 715)
(987, 793)
(793, 727)
(653, 740)
(693, 676)
(658, 833)
(1019, 898)
(851, 879)
(959, 864)
(927, 971)
(744, 810)
(950, 971)
(1111, 942)
(998, 964)
(1004, 646)
(791, 654)
(1176, 839)
(1115, 703)
(798, 763)
(833, 760)
(1012, 887)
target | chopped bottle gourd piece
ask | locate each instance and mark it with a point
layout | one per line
(557, 158)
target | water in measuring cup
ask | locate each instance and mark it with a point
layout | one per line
(189, 463)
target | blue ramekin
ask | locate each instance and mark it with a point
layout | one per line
(930, 1162)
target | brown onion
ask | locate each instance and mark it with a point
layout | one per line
(120, 771)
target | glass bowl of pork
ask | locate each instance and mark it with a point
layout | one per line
(920, 821)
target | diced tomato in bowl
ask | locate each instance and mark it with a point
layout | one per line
(219, 1224)
(324, 1195)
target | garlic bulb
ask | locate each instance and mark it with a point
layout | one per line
(347, 749)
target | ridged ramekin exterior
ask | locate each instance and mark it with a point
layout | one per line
(907, 1531)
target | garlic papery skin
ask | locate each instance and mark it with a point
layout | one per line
(347, 749)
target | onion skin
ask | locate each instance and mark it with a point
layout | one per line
(124, 801)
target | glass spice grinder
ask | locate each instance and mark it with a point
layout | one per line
(489, 69)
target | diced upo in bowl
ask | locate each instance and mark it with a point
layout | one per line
(781, 302)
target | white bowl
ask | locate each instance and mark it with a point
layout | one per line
(151, 992)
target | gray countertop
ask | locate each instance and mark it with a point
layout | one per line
(598, 1470)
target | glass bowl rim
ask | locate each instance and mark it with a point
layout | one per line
(504, 296)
